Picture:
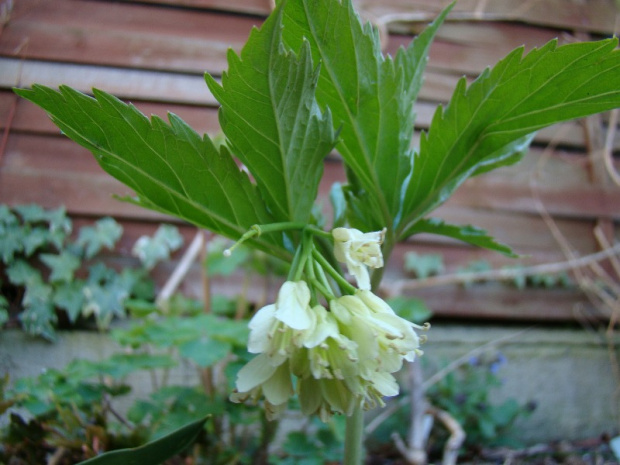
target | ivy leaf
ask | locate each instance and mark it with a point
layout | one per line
(369, 94)
(152, 250)
(20, 273)
(38, 317)
(105, 233)
(470, 234)
(170, 167)
(423, 265)
(4, 315)
(69, 297)
(63, 265)
(12, 241)
(490, 123)
(105, 299)
(272, 121)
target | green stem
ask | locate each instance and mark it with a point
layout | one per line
(342, 283)
(353, 439)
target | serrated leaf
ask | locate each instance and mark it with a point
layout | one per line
(170, 167)
(154, 452)
(369, 94)
(490, 123)
(105, 233)
(272, 121)
(62, 265)
(467, 233)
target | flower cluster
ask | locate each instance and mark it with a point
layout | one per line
(342, 356)
(335, 357)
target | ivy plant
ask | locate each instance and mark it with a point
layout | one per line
(311, 80)
(47, 272)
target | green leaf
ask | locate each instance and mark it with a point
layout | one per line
(152, 250)
(467, 233)
(105, 233)
(369, 94)
(63, 265)
(170, 167)
(205, 352)
(4, 313)
(38, 317)
(414, 310)
(490, 123)
(20, 273)
(423, 265)
(12, 242)
(272, 121)
(69, 297)
(154, 452)
(106, 300)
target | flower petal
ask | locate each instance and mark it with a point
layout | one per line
(260, 327)
(293, 305)
(255, 372)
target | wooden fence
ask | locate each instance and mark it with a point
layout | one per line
(154, 53)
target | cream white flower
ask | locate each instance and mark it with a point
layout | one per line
(383, 338)
(358, 251)
(277, 328)
(341, 358)
(261, 378)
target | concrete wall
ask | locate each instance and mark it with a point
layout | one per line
(566, 372)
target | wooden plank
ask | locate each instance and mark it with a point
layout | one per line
(590, 15)
(597, 16)
(564, 187)
(561, 182)
(123, 83)
(148, 37)
(128, 35)
(155, 86)
(490, 301)
(30, 118)
(54, 171)
(248, 7)
(466, 48)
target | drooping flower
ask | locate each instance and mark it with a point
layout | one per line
(261, 378)
(383, 338)
(358, 251)
(342, 358)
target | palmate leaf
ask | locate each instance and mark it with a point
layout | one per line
(490, 123)
(272, 121)
(369, 94)
(169, 166)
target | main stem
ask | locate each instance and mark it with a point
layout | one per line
(354, 435)
(354, 440)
